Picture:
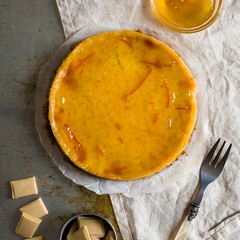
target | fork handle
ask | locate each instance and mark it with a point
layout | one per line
(183, 230)
(186, 223)
(193, 211)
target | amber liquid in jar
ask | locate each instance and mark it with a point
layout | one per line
(184, 13)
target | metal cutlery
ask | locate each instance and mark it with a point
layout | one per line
(211, 168)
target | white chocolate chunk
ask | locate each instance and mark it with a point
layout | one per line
(73, 228)
(109, 236)
(27, 225)
(93, 238)
(35, 208)
(80, 234)
(35, 238)
(24, 187)
(95, 226)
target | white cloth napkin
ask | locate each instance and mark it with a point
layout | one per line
(155, 215)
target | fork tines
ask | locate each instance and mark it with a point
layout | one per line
(217, 161)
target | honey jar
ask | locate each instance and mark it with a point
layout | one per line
(186, 16)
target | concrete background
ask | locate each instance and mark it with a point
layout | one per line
(30, 32)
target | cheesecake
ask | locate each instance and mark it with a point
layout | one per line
(122, 105)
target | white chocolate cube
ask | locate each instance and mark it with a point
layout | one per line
(73, 228)
(24, 187)
(27, 225)
(109, 236)
(95, 226)
(35, 238)
(35, 208)
(93, 238)
(80, 234)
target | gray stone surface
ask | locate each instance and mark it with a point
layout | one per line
(30, 32)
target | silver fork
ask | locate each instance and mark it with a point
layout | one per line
(210, 170)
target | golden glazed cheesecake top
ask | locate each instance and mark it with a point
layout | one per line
(122, 105)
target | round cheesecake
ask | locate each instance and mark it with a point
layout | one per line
(122, 105)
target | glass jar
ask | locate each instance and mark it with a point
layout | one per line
(186, 16)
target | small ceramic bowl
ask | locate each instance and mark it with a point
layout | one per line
(178, 17)
(65, 230)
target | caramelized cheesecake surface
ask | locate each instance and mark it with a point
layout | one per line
(122, 105)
